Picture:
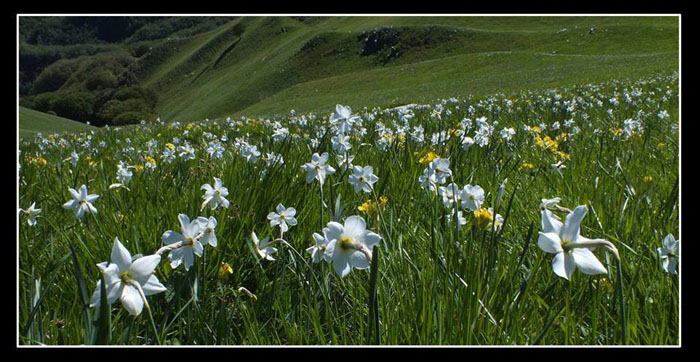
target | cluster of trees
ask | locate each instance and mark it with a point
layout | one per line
(100, 89)
(83, 68)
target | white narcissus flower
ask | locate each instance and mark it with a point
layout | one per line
(123, 175)
(32, 213)
(550, 203)
(168, 155)
(472, 197)
(571, 249)
(507, 133)
(467, 142)
(669, 254)
(428, 180)
(350, 245)
(345, 161)
(362, 178)
(207, 228)
(127, 280)
(215, 196)
(450, 194)
(262, 247)
(343, 118)
(317, 168)
(557, 167)
(441, 167)
(283, 217)
(81, 202)
(341, 143)
(191, 244)
(318, 251)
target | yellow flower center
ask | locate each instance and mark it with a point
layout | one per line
(125, 276)
(346, 242)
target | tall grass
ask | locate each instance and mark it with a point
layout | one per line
(429, 282)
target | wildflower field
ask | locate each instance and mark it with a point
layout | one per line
(547, 217)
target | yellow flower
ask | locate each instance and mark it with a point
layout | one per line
(538, 141)
(223, 269)
(661, 145)
(563, 155)
(527, 166)
(150, 159)
(428, 158)
(648, 179)
(383, 200)
(121, 217)
(368, 207)
(535, 129)
(562, 137)
(402, 140)
(482, 218)
(617, 132)
(551, 144)
(138, 168)
(41, 161)
(170, 146)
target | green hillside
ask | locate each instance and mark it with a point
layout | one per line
(267, 65)
(258, 66)
(32, 122)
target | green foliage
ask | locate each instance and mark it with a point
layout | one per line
(101, 80)
(177, 27)
(53, 77)
(129, 117)
(435, 284)
(75, 105)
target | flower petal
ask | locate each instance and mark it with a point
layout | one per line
(153, 286)
(355, 227)
(120, 256)
(371, 239)
(359, 260)
(341, 264)
(142, 268)
(558, 265)
(549, 223)
(587, 262)
(549, 242)
(171, 237)
(571, 228)
(131, 300)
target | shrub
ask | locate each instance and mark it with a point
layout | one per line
(54, 76)
(43, 102)
(101, 80)
(128, 118)
(75, 105)
(139, 50)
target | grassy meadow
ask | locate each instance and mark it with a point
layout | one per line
(597, 131)
(33, 122)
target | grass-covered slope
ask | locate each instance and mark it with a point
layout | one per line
(270, 65)
(32, 122)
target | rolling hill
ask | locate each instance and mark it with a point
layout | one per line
(270, 65)
(33, 122)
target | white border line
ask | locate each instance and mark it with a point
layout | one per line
(680, 206)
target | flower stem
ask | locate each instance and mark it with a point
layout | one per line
(381, 215)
